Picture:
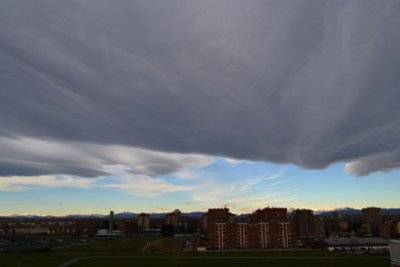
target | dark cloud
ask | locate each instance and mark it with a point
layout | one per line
(34, 157)
(304, 82)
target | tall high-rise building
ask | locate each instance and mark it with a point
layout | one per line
(111, 221)
(319, 227)
(305, 223)
(204, 221)
(372, 216)
(220, 228)
(173, 218)
(242, 230)
(385, 230)
(143, 222)
(279, 229)
(268, 214)
(267, 228)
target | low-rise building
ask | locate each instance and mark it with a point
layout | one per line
(352, 244)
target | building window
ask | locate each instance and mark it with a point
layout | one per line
(264, 235)
(220, 235)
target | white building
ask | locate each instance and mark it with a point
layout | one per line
(106, 232)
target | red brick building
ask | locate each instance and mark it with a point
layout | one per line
(221, 229)
(267, 228)
(319, 227)
(268, 214)
(274, 228)
(305, 223)
(372, 216)
(385, 230)
(173, 218)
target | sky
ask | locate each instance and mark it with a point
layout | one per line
(156, 105)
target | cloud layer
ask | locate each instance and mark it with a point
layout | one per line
(27, 156)
(87, 83)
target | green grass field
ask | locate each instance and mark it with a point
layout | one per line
(101, 247)
(126, 245)
(127, 252)
(239, 262)
(33, 259)
(47, 259)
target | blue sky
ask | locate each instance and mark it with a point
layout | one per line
(241, 185)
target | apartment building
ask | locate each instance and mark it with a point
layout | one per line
(266, 229)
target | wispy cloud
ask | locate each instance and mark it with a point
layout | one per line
(144, 186)
(120, 178)
(26, 183)
(247, 194)
(205, 191)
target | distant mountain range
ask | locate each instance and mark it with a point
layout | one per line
(195, 214)
(354, 212)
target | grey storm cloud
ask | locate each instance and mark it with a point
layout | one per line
(304, 82)
(27, 157)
